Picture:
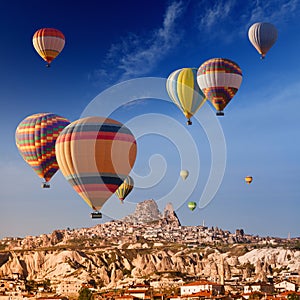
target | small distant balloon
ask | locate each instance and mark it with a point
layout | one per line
(184, 174)
(248, 179)
(262, 36)
(48, 43)
(192, 205)
(125, 188)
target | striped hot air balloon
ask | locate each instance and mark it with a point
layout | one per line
(95, 155)
(262, 36)
(48, 42)
(125, 188)
(219, 79)
(35, 138)
(184, 91)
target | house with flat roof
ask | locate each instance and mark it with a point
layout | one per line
(201, 286)
(285, 285)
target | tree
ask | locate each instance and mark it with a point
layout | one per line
(47, 284)
(293, 296)
(30, 285)
(85, 294)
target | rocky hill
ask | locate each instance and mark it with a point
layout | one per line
(119, 252)
(147, 211)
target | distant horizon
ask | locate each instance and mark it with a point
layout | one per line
(140, 203)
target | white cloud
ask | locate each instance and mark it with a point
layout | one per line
(136, 55)
(231, 18)
(273, 11)
(214, 14)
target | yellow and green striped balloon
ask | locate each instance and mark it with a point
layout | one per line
(125, 188)
(184, 91)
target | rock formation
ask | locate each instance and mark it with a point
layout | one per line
(145, 212)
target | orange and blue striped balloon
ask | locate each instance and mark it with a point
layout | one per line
(35, 138)
(95, 155)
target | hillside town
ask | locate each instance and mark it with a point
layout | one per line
(149, 255)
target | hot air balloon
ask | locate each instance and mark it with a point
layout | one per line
(48, 42)
(262, 36)
(125, 188)
(219, 79)
(248, 179)
(184, 91)
(192, 205)
(35, 139)
(184, 174)
(95, 155)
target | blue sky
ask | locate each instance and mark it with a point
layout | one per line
(125, 40)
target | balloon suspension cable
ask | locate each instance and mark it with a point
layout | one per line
(189, 122)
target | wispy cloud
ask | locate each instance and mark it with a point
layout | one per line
(231, 18)
(212, 15)
(136, 55)
(273, 11)
(215, 19)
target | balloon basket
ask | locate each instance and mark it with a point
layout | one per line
(220, 113)
(189, 122)
(96, 215)
(45, 185)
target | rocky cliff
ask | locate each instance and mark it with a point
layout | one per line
(114, 266)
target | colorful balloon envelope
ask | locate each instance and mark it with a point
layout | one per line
(192, 205)
(48, 42)
(262, 36)
(95, 155)
(248, 179)
(125, 188)
(184, 91)
(35, 138)
(219, 79)
(184, 174)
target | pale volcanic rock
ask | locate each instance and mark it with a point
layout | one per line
(283, 257)
(103, 274)
(146, 211)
